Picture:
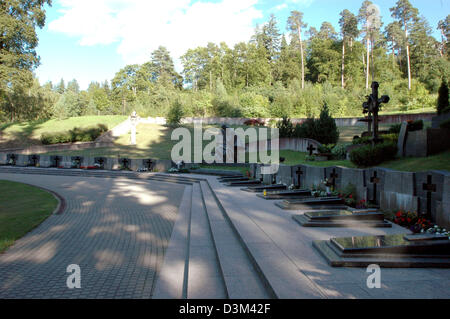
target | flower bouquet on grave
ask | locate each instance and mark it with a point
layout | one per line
(328, 185)
(173, 170)
(75, 164)
(436, 230)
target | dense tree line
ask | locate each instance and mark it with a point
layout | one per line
(291, 72)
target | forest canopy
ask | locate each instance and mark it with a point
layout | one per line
(276, 73)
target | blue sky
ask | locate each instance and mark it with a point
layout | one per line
(90, 40)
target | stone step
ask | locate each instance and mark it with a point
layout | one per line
(286, 282)
(205, 280)
(171, 282)
(241, 278)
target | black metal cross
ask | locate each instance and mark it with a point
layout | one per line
(374, 180)
(333, 177)
(57, 159)
(299, 173)
(311, 149)
(34, 160)
(149, 164)
(77, 161)
(430, 188)
(125, 162)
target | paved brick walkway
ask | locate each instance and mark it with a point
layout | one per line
(116, 230)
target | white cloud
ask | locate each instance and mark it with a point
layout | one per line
(140, 26)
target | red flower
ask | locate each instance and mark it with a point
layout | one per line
(399, 214)
(351, 196)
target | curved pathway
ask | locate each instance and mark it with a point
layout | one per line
(116, 230)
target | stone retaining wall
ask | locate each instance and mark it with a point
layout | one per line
(110, 163)
(391, 190)
(351, 121)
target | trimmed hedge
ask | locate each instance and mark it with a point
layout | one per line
(393, 138)
(368, 155)
(88, 134)
(412, 126)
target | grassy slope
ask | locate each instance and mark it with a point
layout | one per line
(22, 208)
(29, 133)
(154, 141)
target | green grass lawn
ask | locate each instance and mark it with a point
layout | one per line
(22, 208)
(154, 141)
(29, 133)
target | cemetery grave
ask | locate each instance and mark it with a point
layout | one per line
(243, 183)
(267, 188)
(292, 194)
(342, 218)
(322, 203)
(394, 251)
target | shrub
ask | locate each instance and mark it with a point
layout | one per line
(254, 122)
(327, 132)
(415, 125)
(395, 129)
(175, 114)
(76, 134)
(368, 155)
(445, 124)
(323, 130)
(325, 149)
(286, 127)
(340, 151)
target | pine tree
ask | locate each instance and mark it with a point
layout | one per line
(442, 102)
(295, 24)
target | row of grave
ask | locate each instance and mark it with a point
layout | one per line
(399, 250)
(80, 162)
(426, 193)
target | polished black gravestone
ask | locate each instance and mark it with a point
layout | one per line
(313, 203)
(294, 194)
(391, 251)
(342, 218)
(233, 179)
(267, 188)
(243, 183)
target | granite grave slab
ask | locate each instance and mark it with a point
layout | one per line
(313, 203)
(392, 251)
(293, 194)
(343, 218)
